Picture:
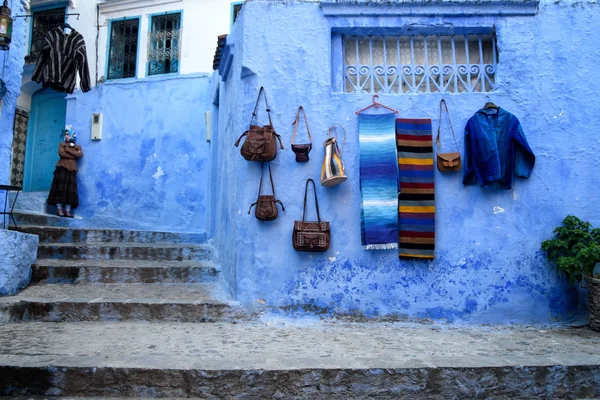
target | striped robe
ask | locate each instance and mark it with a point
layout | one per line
(62, 58)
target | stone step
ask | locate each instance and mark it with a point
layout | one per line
(41, 219)
(52, 271)
(119, 302)
(298, 360)
(130, 251)
(54, 234)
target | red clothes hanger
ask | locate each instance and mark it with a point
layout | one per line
(376, 104)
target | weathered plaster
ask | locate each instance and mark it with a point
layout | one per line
(150, 170)
(11, 70)
(488, 266)
(17, 252)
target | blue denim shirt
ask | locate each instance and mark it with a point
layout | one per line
(496, 149)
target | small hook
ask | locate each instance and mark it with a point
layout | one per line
(375, 97)
(487, 98)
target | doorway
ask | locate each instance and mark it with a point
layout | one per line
(44, 133)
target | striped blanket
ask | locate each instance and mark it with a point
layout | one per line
(378, 181)
(416, 199)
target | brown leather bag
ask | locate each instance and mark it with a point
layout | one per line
(311, 235)
(301, 150)
(447, 162)
(266, 205)
(261, 141)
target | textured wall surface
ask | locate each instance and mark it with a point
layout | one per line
(17, 252)
(11, 70)
(150, 169)
(488, 266)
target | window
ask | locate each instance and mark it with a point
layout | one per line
(122, 56)
(236, 8)
(43, 22)
(420, 64)
(163, 45)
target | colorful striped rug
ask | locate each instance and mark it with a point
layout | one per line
(416, 200)
(378, 181)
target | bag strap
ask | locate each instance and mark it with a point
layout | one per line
(437, 140)
(237, 142)
(295, 123)
(316, 200)
(261, 91)
(333, 128)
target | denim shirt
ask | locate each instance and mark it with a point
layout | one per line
(496, 149)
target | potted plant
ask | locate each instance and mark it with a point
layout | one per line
(575, 250)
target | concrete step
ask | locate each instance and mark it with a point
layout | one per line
(298, 360)
(119, 302)
(53, 234)
(52, 271)
(130, 251)
(41, 219)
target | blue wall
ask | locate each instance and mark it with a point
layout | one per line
(488, 266)
(150, 169)
(11, 70)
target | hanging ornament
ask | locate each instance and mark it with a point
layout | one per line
(5, 27)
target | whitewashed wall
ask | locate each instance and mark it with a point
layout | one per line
(203, 21)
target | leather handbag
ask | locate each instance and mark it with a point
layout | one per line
(332, 172)
(266, 205)
(447, 162)
(301, 150)
(311, 235)
(261, 141)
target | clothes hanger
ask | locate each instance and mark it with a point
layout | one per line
(412, 106)
(376, 104)
(489, 104)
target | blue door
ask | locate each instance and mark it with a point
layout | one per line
(46, 124)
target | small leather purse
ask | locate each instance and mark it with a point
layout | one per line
(266, 205)
(261, 141)
(447, 162)
(301, 150)
(311, 235)
(332, 171)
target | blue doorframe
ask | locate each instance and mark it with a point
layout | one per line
(44, 133)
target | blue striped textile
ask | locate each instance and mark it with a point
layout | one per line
(378, 181)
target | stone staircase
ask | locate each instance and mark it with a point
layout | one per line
(118, 275)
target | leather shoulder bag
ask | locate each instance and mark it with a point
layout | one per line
(447, 162)
(266, 205)
(332, 171)
(261, 141)
(311, 235)
(301, 150)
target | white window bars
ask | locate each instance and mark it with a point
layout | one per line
(420, 64)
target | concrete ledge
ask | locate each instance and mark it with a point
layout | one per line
(300, 359)
(18, 251)
(333, 8)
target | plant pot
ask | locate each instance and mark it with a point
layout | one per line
(593, 285)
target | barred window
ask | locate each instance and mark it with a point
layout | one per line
(163, 45)
(122, 58)
(42, 23)
(420, 64)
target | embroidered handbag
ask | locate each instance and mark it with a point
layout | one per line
(261, 141)
(447, 162)
(313, 235)
(332, 172)
(301, 150)
(266, 205)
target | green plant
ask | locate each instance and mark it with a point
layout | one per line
(575, 248)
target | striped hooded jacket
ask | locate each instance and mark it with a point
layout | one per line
(63, 56)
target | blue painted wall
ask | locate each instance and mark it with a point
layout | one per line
(488, 266)
(11, 71)
(150, 170)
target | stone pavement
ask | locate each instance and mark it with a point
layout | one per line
(297, 359)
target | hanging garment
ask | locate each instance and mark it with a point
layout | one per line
(496, 149)
(63, 57)
(416, 200)
(378, 181)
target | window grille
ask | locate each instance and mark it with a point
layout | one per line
(163, 52)
(420, 64)
(122, 60)
(42, 23)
